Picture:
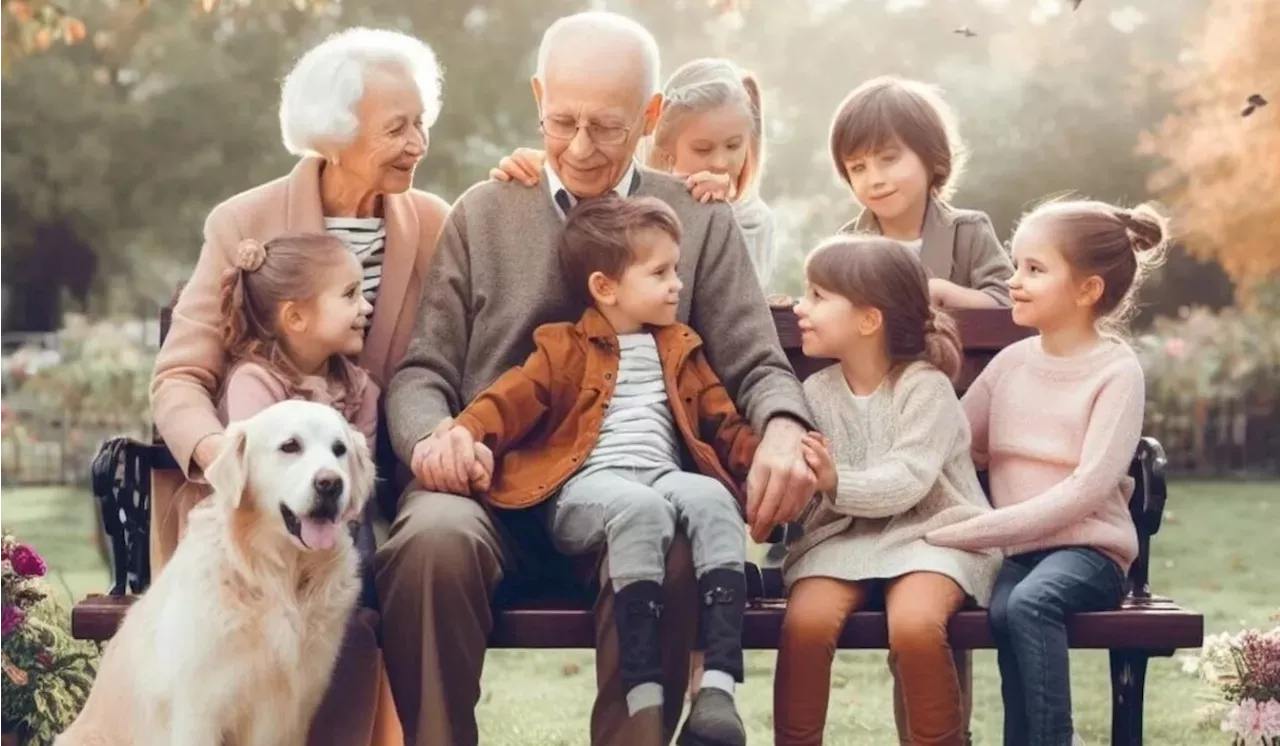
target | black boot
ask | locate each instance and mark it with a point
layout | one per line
(714, 719)
(636, 611)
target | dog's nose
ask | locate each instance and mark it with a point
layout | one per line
(328, 485)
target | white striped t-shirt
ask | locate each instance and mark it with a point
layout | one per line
(367, 238)
(638, 431)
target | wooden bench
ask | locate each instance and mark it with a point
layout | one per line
(1145, 626)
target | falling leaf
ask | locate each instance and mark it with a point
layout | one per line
(1237, 563)
(1252, 104)
(571, 669)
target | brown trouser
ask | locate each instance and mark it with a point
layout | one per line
(437, 574)
(918, 606)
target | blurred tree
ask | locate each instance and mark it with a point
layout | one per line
(125, 141)
(1222, 169)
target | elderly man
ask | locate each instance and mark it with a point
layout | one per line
(494, 279)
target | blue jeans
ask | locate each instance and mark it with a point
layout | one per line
(1034, 595)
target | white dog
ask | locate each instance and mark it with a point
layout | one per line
(236, 641)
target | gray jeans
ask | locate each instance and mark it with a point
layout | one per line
(636, 512)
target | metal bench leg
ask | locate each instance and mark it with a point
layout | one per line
(1128, 683)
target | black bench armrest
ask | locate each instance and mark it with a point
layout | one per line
(1146, 507)
(121, 479)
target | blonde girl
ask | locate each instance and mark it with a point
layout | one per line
(892, 463)
(1055, 420)
(711, 134)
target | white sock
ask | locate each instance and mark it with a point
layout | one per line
(644, 696)
(718, 680)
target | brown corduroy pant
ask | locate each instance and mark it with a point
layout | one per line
(437, 574)
(918, 606)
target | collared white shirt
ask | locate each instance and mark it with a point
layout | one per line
(555, 186)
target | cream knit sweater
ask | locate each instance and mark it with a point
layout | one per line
(903, 468)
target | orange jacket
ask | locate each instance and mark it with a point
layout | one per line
(542, 418)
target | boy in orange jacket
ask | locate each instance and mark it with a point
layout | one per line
(600, 420)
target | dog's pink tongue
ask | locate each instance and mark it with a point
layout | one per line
(319, 535)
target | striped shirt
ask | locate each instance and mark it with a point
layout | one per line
(367, 238)
(638, 431)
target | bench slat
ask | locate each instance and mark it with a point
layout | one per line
(1153, 625)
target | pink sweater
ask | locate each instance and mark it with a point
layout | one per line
(252, 388)
(1056, 436)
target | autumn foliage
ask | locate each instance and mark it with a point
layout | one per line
(1221, 171)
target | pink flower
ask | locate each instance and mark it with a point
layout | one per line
(1253, 721)
(1175, 347)
(13, 618)
(26, 562)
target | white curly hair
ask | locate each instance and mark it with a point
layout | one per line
(319, 95)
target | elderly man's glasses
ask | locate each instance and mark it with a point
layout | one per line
(566, 128)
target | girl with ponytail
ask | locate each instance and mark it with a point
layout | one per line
(1056, 419)
(292, 316)
(892, 463)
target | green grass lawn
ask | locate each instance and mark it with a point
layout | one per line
(1213, 554)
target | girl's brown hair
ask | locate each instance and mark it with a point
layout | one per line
(262, 278)
(888, 108)
(703, 85)
(1121, 246)
(876, 272)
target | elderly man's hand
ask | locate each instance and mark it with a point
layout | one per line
(780, 483)
(443, 461)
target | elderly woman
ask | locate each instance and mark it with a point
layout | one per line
(356, 109)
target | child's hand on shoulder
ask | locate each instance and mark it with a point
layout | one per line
(523, 165)
(706, 186)
(817, 454)
(942, 292)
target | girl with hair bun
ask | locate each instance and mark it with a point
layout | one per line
(1056, 419)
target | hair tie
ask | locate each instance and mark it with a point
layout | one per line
(931, 321)
(250, 255)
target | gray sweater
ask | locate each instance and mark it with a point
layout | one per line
(495, 278)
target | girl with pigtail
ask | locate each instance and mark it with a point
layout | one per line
(292, 317)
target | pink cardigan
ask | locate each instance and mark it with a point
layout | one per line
(1057, 436)
(192, 363)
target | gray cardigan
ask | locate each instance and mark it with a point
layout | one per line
(956, 245)
(495, 278)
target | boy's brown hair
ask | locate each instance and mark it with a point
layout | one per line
(876, 272)
(888, 108)
(600, 234)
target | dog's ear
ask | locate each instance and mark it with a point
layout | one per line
(363, 470)
(229, 472)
